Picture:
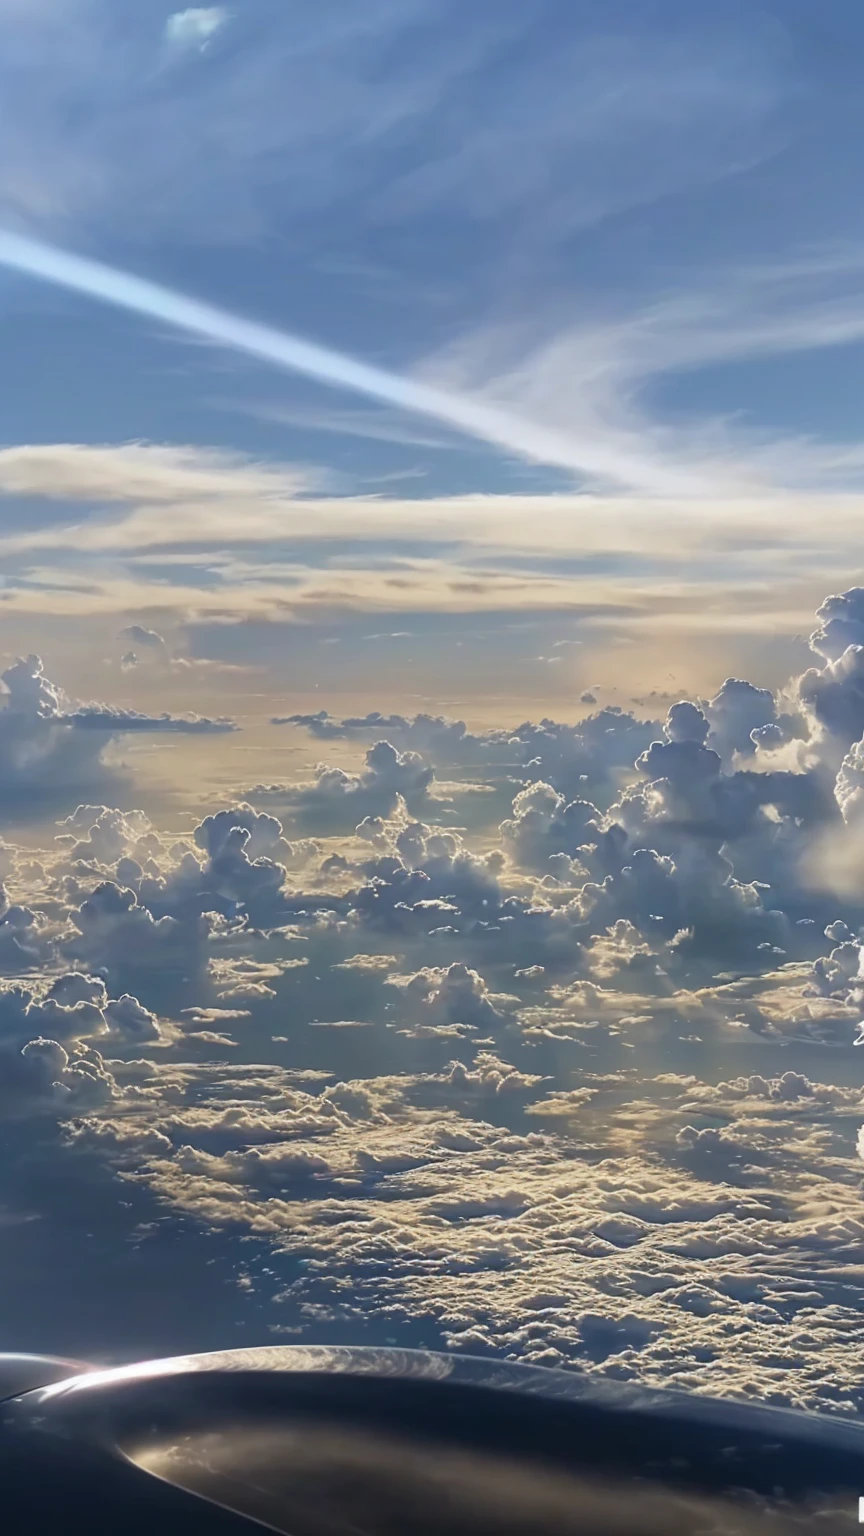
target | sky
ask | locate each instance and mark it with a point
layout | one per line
(432, 635)
(630, 240)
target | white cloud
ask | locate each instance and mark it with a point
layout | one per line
(591, 378)
(149, 473)
(236, 538)
(195, 28)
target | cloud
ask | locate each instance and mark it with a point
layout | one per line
(849, 786)
(107, 834)
(152, 473)
(618, 453)
(114, 932)
(440, 740)
(570, 388)
(208, 489)
(570, 757)
(48, 1063)
(738, 710)
(834, 696)
(264, 833)
(457, 995)
(544, 825)
(43, 758)
(379, 425)
(683, 1221)
(260, 543)
(115, 721)
(130, 1021)
(195, 29)
(475, 417)
(51, 752)
(47, 1074)
(312, 116)
(149, 638)
(430, 1118)
(614, 446)
(588, 375)
(507, 1240)
(337, 800)
(841, 624)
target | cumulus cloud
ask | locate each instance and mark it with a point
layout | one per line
(149, 639)
(27, 938)
(841, 624)
(834, 696)
(49, 1064)
(337, 800)
(51, 750)
(264, 833)
(105, 834)
(457, 995)
(130, 1020)
(449, 1132)
(544, 825)
(23, 1015)
(830, 697)
(114, 721)
(849, 785)
(48, 1074)
(568, 756)
(74, 987)
(75, 1007)
(737, 711)
(112, 930)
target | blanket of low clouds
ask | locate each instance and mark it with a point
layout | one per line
(432, 653)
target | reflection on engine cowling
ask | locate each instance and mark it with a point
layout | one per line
(308, 1479)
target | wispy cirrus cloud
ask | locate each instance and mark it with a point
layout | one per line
(595, 377)
(376, 424)
(396, 109)
(541, 123)
(575, 400)
(525, 436)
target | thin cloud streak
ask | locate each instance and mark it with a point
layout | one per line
(593, 379)
(498, 427)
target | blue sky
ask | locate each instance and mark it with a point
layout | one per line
(633, 230)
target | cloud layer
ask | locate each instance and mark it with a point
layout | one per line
(579, 1088)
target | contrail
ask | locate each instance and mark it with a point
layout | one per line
(285, 350)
